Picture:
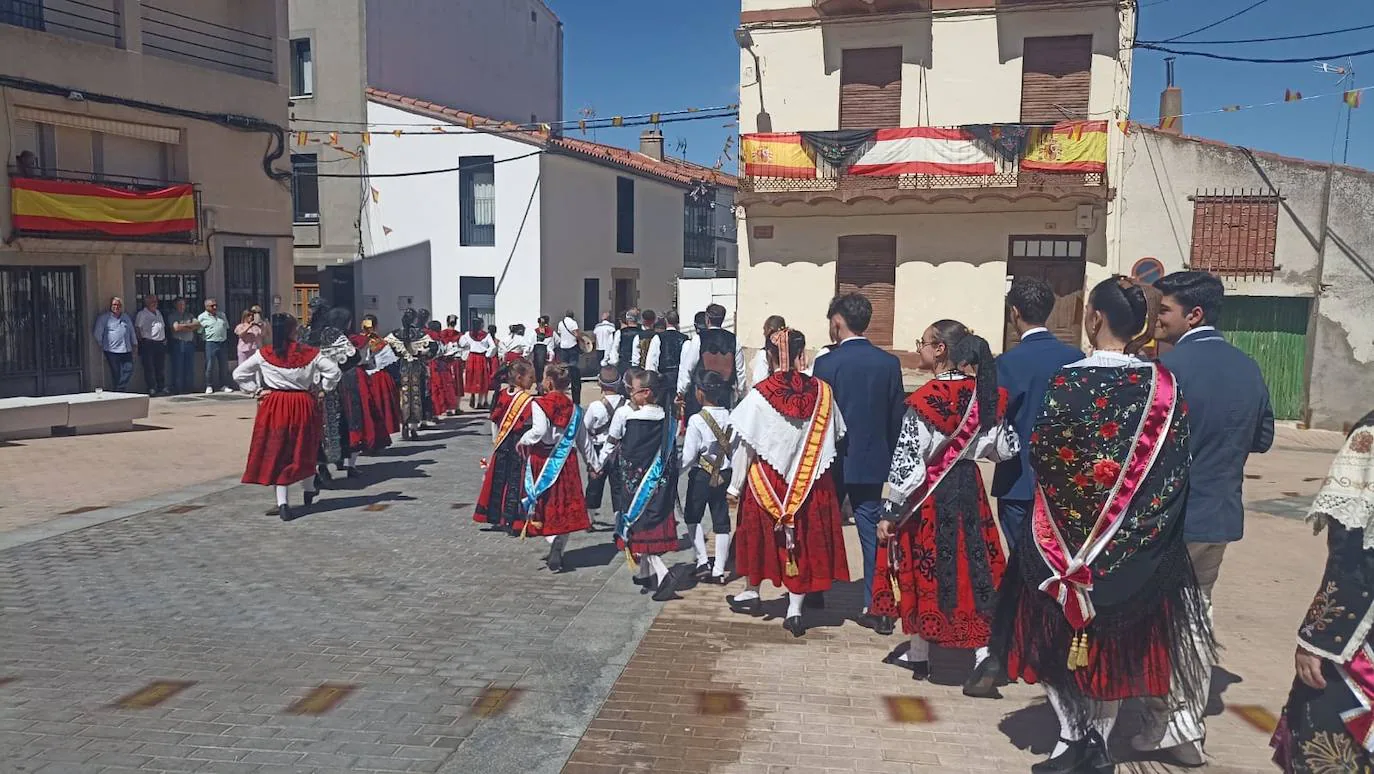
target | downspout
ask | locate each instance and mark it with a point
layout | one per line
(1314, 311)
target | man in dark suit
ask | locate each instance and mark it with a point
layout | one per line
(1025, 371)
(1229, 418)
(868, 389)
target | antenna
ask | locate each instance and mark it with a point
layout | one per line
(587, 113)
(681, 147)
(1347, 73)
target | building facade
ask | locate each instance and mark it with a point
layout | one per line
(933, 207)
(529, 224)
(1291, 239)
(148, 157)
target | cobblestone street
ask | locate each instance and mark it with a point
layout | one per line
(186, 631)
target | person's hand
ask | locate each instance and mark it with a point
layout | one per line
(263, 393)
(885, 529)
(733, 500)
(681, 402)
(1309, 669)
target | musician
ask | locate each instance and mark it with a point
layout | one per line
(567, 337)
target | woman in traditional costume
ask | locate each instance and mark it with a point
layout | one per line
(503, 486)
(286, 432)
(332, 341)
(386, 398)
(553, 500)
(1101, 603)
(352, 391)
(451, 353)
(789, 516)
(441, 390)
(639, 459)
(477, 367)
(761, 368)
(413, 349)
(940, 557)
(1328, 724)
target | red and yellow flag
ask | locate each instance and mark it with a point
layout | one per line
(59, 206)
(776, 155)
(1352, 98)
(1070, 146)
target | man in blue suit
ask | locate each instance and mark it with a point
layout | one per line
(1025, 371)
(1229, 418)
(868, 388)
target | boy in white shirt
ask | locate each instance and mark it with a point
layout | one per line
(598, 424)
(706, 453)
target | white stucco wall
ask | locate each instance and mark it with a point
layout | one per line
(425, 209)
(579, 219)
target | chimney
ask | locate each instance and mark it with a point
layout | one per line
(651, 144)
(1171, 102)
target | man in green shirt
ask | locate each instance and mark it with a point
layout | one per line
(215, 328)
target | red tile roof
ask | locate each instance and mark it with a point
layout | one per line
(670, 169)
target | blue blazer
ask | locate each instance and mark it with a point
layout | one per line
(1229, 417)
(1025, 372)
(868, 389)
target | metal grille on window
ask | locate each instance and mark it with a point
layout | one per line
(477, 201)
(699, 237)
(169, 287)
(1235, 232)
(1047, 247)
(22, 13)
(305, 188)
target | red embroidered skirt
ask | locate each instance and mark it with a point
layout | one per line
(922, 568)
(761, 551)
(388, 401)
(562, 509)
(375, 434)
(476, 375)
(440, 387)
(455, 371)
(286, 439)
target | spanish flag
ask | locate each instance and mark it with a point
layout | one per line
(1352, 98)
(1070, 146)
(776, 155)
(56, 206)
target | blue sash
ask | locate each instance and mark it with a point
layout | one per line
(653, 478)
(553, 466)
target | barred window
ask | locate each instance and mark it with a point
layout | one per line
(1235, 232)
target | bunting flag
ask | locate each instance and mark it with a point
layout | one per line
(1124, 126)
(1071, 146)
(376, 196)
(653, 118)
(1291, 96)
(582, 124)
(397, 132)
(1168, 122)
(924, 150)
(1352, 98)
(367, 138)
(470, 122)
(1231, 109)
(617, 121)
(837, 147)
(776, 155)
(333, 138)
(386, 230)
(302, 138)
(84, 208)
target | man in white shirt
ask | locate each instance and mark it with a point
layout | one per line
(715, 337)
(152, 346)
(565, 335)
(605, 336)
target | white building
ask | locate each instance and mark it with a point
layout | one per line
(926, 241)
(528, 224)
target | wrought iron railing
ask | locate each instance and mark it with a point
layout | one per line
(96, 21)
(102, 180)
(1008, 175)
(174, 35)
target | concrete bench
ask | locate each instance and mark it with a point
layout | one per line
(87, 412)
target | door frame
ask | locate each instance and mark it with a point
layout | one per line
(1079, 262)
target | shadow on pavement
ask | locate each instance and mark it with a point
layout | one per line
(1033, 728)
(330, 504)
(1221, 680)
(598, 555)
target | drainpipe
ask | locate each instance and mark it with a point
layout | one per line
(1314, 311)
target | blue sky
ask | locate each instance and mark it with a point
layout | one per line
(640, 56)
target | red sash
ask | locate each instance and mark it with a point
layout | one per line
(953, 451)
(512, 417)
(1072, 578)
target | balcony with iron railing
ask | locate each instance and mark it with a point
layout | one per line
(67, 204)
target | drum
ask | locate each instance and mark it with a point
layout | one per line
(586, 342)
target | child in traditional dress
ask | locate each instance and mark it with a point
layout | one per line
(598, 421)
(639, 458)
(940, 556)
(706, 452)
(789, 520)
(498, 505)
(476, 366)
(553, 499)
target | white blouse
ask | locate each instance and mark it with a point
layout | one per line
(485, 347)
(623, 416)
(544, 431)
(598, 420)
(255, 373)
(701, 442)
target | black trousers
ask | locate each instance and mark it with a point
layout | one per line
(701, 496)
(541, 357)
(153, 356)
(596, 491)
(569, 356)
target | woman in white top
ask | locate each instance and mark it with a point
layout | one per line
(286, 433)
(760, 369)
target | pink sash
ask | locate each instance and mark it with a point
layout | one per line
(1072, 578)
(953, 451)
(1359, 677)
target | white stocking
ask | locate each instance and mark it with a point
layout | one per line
(659, 568)
(979, 655)
(699, 544)
(794, 604)
(722, 554)
(281, 495)
(1102, 720)
(751, 591)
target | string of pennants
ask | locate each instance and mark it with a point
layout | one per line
(1351, 97)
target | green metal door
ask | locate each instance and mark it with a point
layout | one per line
(1273, 331)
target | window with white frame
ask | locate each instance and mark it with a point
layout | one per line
(477, 201)
(302, 68)
(305, 188)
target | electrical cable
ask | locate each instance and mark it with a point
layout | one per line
(465, 167)
(592, 123)
(458, 128)
(1204, 28)
(1262, 40)
(1253, 60)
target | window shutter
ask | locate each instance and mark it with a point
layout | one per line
(1056, 76)
(868, 265)
(1235, 234)
(871, 88)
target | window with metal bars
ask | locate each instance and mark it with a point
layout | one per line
(477, 201)
(1235, 232)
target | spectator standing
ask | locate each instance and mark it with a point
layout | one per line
(605, 336)
(568, 352)
(250, 334)
(152, 345)
(1229, 418)
(868, 389)
(543, 339)
(181, 345)
(1025, 372)
(215, 330)
(117, 336)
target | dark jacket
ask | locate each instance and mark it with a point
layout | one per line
(1229, 417)
(1025, 371)
(868, 389)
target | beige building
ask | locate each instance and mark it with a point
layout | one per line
(926, 241)
(111, 105)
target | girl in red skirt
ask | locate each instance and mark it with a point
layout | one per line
(285, 376)
(451, 339)
(386, 397)
(940, 557)
(555, 505)
(789, 517)
(374, 434)
(441, 390)
(476, 368)
(498, 504)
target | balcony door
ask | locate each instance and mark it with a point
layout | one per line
(43, 330)
(868, 265)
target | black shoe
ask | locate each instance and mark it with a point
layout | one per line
(714, 580)
(322, 473)
(880, 624)
(644, 581)
(284, 512)
(668, 588)
(352, 473)
(746, 606)
(794, 624)
(310, 497)
(1087, 755)
(893, 659)
(555, 561)
(815, 601)
(702, 571)
(982, 682)
(920, 670)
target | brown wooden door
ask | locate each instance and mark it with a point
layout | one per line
(871, 88)
(1066, 277)
(868, 265)
(1056, 75)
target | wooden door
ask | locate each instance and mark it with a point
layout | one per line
(1273, 331)
(868, 264)
(871, 88)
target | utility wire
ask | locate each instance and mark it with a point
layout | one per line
(458, 127)
(1244, 10)
(592, 123)
(1262, 40)
(1254, 60)
(418, 173)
